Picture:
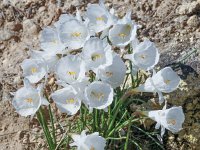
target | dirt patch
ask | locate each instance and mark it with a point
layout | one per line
(173, 25)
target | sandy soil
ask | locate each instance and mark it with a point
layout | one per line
(174, 25)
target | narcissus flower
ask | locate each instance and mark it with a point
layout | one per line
(67, 100)
(165, 80)
(27, 99)
(96, 52)
(50, 42)
(99, 17)
(145, 55)
(73, 34)
(99, 95)
(70, 69)
(34, 69)
(113, 74)
(171, 119)
(88, 142)
(123, 32)
(49, 58)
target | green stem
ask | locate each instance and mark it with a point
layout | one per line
(127, 137)
(52, 124)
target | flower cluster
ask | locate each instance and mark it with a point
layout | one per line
(79, 51)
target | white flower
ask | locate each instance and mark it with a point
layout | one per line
(50, 42)
(49, 58)
(171, 119)
(145, 55)
(165, 80)
(34, 69)
(96, 52)
(99, 17)
(98, 95)
(88, 142)
(67, 100)
(73, 34)
(27, 99)
(122, 33)
(70, 69)
(113, 74)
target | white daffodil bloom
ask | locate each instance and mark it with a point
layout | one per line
(96, 52)
(99, 18)
(27, 99)
(70, 69)
(49, 58)
(145, 55)
(73, 34)
(165, 80)
(67, 100)
(88, 142)
(50, 42)
(171, 119)
(123, 32)
(34, 69)
(113, 74)
(98, 95)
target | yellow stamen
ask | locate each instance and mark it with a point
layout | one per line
(109, 74)
(29, 100)
(70, 101)
(99, 18)
(33, 70)
(122, 35)
(167, 81)
(96, 56)
(72, 73)
(76, 34)
(143, 56)
(99, 96)
(92, 148)
(171, 121)
(54, 41)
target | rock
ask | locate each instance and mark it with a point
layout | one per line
(193, 21)
(29, 27)
(188, 8)
(6, 35)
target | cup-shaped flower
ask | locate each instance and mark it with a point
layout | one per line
(70, 69)
(34, 69)
(99, 17)
(123, 32)
(145, 55)
(113, 74)
(27, 100)
(88, 142)
(67, 100)
(49, 58)
(98, 95)
(171, 119)
(49, 41)
(73, 34)
(96, 52)
(165, 80)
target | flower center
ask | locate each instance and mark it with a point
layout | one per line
(100, 19)
(171, 121)
(92, 148)
(72, 73)
(122, 35)
(143, 56)
(29, 100)
(33, 70)
(76, 34)
(109, 74)
(70, 101)
(99, 96)
(54, 41)
(167, 81)
(96, 56)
